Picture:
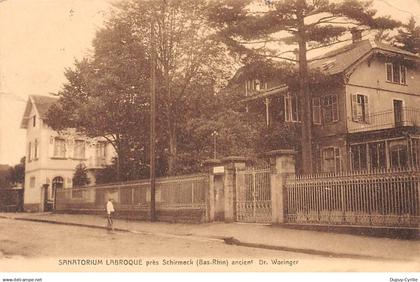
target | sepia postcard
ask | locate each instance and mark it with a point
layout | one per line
(277, 136)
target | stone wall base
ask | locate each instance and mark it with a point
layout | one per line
(32, 207)
(165, 215)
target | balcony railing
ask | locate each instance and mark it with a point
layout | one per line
(387, 119)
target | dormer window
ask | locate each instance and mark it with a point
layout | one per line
(396, 73)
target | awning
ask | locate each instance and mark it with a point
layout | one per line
(267, 93)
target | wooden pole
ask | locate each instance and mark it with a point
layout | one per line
(152, 123)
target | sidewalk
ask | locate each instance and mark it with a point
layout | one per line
(251, 235)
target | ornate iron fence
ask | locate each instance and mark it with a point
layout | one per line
(375, 198)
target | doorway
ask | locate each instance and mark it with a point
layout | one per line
(57, 183)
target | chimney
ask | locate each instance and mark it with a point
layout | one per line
(356, 34)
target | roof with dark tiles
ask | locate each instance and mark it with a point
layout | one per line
(339, 60)
(41, 103)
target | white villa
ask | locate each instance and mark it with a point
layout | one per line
(51, 157)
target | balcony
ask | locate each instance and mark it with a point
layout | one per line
(402, 117)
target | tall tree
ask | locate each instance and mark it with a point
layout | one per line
(16, 174)
(304, 24)
(408, 38)
(107, 95)
(189, 59)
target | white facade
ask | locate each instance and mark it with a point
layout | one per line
(51, 157)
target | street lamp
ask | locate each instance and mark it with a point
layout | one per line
(214, 134)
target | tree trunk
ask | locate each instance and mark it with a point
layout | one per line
(172, 140)
(172, 165)
(304, 101)
(171, 126)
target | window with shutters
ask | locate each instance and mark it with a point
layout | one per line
(316, 110)
(331, 159)
(396, 73)
(360, 108)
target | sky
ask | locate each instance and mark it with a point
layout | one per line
(40, 38)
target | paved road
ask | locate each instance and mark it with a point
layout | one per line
(24, 242)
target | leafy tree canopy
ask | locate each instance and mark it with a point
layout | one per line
(107, 94)
(408, 37)
(292, 26)
(16, 174)
(268, 32)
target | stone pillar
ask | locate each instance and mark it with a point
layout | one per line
(210, 166)
(231, 164)
(282, 165)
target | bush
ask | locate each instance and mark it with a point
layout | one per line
(279, 136)
(80, 177)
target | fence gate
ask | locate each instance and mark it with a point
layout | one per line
(253, 195)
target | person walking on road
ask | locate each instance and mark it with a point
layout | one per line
(109, 210)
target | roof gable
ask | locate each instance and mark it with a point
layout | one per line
(41, 105)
